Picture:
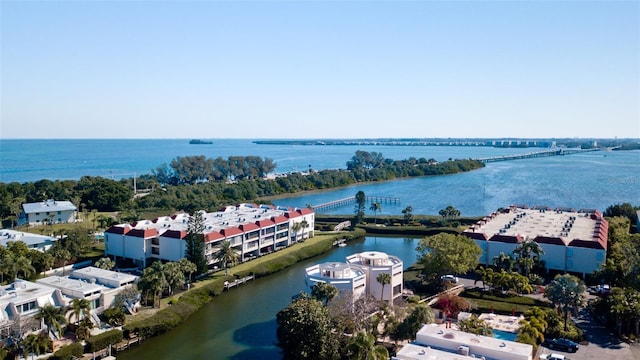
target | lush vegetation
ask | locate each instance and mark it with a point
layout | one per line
(196, 183)
(447, 254)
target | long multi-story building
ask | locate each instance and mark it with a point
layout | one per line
(253, 230)
(572, 240)
(48, 211)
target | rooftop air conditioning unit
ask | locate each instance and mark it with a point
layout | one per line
(463, 350)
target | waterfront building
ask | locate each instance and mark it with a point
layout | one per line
(375, 263)
(48, 211)
(436, 340)
(346, 278)
(33, 241)
(253, 230)
(98, 286)
(572, 240)
(22, 300)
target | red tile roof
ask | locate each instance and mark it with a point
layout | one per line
(248, 227)
(213, 236)
(143, 233)
(279, 219)
(175, 234)
(118, 230)
(265, 223)
(230, 231)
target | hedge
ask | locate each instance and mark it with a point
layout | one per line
(68, 351)
(170, 317)
(103, 340)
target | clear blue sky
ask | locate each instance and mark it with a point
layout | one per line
(324, 69)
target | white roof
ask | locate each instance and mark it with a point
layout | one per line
(48, 205)
(417, 352)
(103, 277)
(71, 287)
(30, 239)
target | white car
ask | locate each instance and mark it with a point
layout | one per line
(449, 278)
(553, 357)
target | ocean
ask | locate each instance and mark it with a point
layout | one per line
(592, 180)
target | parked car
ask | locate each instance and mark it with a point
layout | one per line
(449, 278)
(562, 344)
(553, 357)
(601, 290)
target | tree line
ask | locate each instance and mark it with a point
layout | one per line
(195, 182)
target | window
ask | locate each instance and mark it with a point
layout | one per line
(26, 307)
(397, 289)
(155, 251)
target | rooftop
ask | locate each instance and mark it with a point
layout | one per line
(373, 258)
(432, 333)
(541, 222)
(418, 352)
(71, 285)
(48, 205)
(28, 238)
(21, 291)
(334, 270)
(227, 217)
(103, 277)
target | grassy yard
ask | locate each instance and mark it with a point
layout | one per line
(485, 301)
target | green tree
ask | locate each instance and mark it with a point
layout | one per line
(567, 292)
(527, 254)
(174, 275)
(363, 347)
(304, 331)
(105, 263)
(420, 314)
(53, 317)
(449, 212)
(375, 207)
(408, 214)
(485, 275)
(153, 280)
(474, 325)
(226, 255)
(361, 200)
(383, 279)
(504, 262)
(187, 268)
(60, 254)
(80, 308)
(195, 242)
(324, 292)
(447, 254)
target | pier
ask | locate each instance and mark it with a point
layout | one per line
(530, 155)
(229, 284)
(352, 200)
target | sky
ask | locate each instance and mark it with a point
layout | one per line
(319, 69)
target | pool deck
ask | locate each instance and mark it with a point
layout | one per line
(502, 322)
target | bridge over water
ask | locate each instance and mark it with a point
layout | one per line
(535, 154)
(351, 200)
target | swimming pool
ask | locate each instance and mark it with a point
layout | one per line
(504, 335)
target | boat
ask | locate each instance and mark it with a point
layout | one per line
(200, 142)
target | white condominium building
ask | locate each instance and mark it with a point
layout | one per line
(253, 230)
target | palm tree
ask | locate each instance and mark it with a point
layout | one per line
(187, 267)
(383, 279)
(408, 214)
(567, 292)
(226, 255)
(375, 207)
(363, 347)
(303, 225)
(503, 261)
(52, 317)
(527, 254)
(105, 263)
(23, 264)
(295, 228)
(60, 254)
(174, 275)
(153, 279)
(324, 292)
(485, 275)
(80, 308)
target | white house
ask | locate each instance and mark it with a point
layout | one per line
(346, 278)
(47, 211)
(33, 241)
(253, 230)
(23, 300)
(468, 345)
(375, 263)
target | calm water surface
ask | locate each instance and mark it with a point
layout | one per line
(241, 323)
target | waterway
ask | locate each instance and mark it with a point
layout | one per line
(241, 323)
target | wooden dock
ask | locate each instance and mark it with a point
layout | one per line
(352, 201)
(229, 284)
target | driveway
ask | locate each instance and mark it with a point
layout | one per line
(602, 343)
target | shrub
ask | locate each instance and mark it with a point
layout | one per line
(68, 351)
(103, 340)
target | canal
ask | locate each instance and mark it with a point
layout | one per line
(241, 323)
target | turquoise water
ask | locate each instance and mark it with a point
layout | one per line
(504, 335)
(593, 180)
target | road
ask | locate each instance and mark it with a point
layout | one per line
(602, 343)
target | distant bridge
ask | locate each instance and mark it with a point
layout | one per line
(352, 200)
(535, 154)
